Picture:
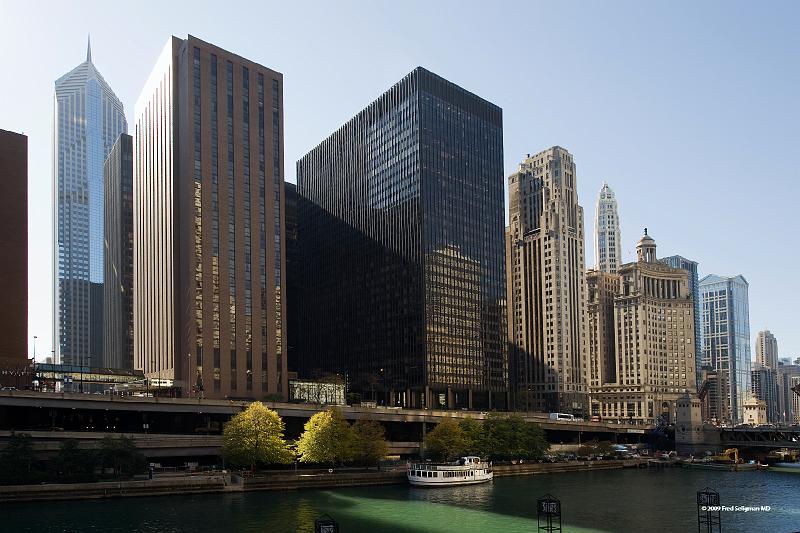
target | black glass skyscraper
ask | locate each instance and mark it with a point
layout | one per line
(400, 229)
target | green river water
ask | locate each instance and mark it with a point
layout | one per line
(661, 500)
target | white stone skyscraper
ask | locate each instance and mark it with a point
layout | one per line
(546, 285)
(88, 118)
(606, 232)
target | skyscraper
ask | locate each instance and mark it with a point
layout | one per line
(676, 261)
(726, 337)
(653, 337)
(606, 232)
(208, 275)
(767, 349)
(401, 230)
(547, 288)
(14, 266)
(764, 384)
(87, 121)
(118, 256)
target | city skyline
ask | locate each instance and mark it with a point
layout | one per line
(716, 111)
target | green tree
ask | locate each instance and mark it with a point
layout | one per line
(255, 436)
(122, 456)
(475, 437)
(73, 464)
(369, 442)
(446, 440)
(511, 437)
(17, 462)
(326, 438)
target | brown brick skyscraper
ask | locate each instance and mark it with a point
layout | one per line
(209, 303)
(14, 247)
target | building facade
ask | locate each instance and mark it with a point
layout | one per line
(754, 411)
(726, 337)
(607, 238)
(118, 257)
(764, 386)
(653, 323)
(602, 289)
(400, 216)
(767, 349)
(14, 266)
(294, 279)
(88, 119)
(676, 261)
(786, 397)
(208, 272)
(546, 284)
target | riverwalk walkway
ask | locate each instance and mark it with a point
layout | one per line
(223, 482)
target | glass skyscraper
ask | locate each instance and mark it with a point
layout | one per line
(400, 226)
(676, 261)
(88, 119)
(726, 337)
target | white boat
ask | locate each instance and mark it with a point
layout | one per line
(785, 467)
(466, 471)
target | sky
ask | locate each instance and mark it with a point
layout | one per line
(689, 110)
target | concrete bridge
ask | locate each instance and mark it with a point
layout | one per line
(46, 444)
(43, 411)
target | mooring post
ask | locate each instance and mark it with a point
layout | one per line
(709, 512)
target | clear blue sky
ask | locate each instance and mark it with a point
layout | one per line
(690, 110)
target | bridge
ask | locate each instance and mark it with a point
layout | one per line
(769, 438)
(182, 424)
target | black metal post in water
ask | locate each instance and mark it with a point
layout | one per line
(326, 524)
(709, 512)
(548, 513)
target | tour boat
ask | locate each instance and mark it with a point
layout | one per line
(466, 471)
(786, 467)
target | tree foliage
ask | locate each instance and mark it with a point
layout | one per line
(498, 437)
(511, 437)
(17, 462)
(475, 437)
(369, 442)
(73, 464)
(255, 436)
(122, 456)
(446, 441)
(326, 438)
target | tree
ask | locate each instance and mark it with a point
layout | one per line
(122, 455)
(446, 440)
(369, 442)
(255, 436)
(475, 437)
(17, 460)
(73, 464)
(513, 438)
(326, 438)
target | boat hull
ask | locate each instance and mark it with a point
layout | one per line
(786, 467)
(729, 467)
(447, 483)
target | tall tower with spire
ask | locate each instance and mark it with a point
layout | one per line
(606, 232)
(87, 120)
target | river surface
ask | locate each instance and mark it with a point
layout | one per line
(661, 500)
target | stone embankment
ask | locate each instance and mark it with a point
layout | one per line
(278, 480)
